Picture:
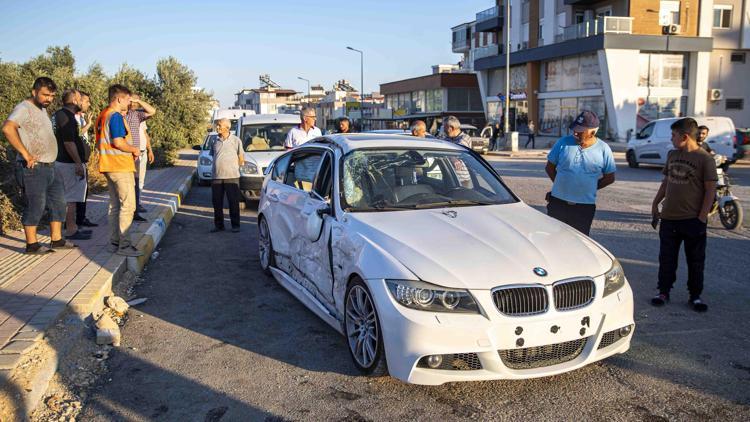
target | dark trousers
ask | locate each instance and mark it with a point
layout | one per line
(137, 195)
(530, 140)
(672, 233)
(81, 211)
(578, 216)
(230, 187)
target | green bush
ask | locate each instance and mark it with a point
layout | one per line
(180, 121)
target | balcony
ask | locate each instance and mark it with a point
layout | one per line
(487, 51)
(605, 25)
(489, 20)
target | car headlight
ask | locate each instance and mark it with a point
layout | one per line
(249, 168)
(205, 161)
(428, 297)
(614, 279)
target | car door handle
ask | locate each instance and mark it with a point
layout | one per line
(272, 197)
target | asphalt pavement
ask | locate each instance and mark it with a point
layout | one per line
(219, 340)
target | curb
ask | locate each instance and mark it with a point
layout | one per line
(86, 303)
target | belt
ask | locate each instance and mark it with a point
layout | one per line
(23, 163)
(569, 202)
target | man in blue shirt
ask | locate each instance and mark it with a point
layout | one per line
(579, 165)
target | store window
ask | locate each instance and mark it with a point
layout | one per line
(434, 100)
(549, 122)
(662, 70)
(571, 73)
(418, 100)
(653, 108)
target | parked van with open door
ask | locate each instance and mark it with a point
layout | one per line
(652, 144)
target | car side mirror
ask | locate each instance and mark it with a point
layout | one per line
(314, 223)
(197, 147)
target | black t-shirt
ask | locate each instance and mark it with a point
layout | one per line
(66, 130)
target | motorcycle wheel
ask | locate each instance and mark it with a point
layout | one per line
(731, 215)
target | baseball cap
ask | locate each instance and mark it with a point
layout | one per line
(586, 120)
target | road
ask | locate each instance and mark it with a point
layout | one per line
(218, 339)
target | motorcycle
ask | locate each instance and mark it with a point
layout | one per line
(725, 204)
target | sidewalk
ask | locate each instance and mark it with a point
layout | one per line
(36, 290)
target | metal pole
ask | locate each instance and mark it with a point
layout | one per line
(506, 24)
(308, 88)
(361, 80)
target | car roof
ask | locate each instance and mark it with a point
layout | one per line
(353, 141)
(269, 118)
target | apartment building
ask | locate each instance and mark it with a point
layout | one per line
(631, 61)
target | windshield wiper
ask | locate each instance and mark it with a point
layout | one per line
(457, 203)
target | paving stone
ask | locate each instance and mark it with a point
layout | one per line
(28, 336)
(16, 347)
(9, 361)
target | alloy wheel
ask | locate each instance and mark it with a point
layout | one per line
(264, 245)
(361, 326)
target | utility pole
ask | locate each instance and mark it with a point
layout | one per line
(506, 24)
(308, 88)
(361, 81)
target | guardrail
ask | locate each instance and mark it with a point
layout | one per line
(605, 25)
(486, 51)
(490, 13)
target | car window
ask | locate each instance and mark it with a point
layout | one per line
(279, 168)
(663, 130)
(391, 180)
(302, 169)
(265, 137)
(208, 144)
(646, 131)
(323, 180)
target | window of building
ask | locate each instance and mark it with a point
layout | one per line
(417, 98)
(669, 12)
(604, 11)
(541, 9)
(662, 70)
(738, 57)
(433, 100)
(734, 103)
(525, 11)
(722, 15)
(580, 16)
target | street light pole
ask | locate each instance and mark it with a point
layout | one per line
(506, 24)
(361, 81)
(308, 88)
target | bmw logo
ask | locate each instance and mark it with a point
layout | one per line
(541, 272)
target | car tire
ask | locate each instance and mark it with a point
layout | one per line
(632, 161)
(365, 348)
(266, 254)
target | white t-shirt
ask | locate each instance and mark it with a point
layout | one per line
(142, 129)
(35, 130)
(297, 136)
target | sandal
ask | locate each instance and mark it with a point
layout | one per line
(37, 249)
(62, 244)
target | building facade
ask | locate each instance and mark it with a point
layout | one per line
(630, 61)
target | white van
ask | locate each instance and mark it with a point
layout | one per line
(233, 115)
(263, 137)
(652, 144)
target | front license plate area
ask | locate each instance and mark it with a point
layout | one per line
(524, 333)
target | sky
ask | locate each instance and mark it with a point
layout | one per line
(228, 44)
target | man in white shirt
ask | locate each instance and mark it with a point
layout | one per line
(305, 131)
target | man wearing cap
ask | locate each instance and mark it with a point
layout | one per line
(579, 165)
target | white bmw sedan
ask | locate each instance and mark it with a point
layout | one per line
(433, 270)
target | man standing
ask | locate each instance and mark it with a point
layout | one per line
(578, 166)
(418, 129)
(116, 162)
(138, 112)
(305, 131)
(688, 190)
(228, 158)
(70, 166)
(702, 136)
(452, 132)
(532, 135)
(29, 131)
(495, 137)
(84, 124)
(344, 125)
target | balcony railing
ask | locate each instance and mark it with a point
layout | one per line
(490, 13)
(487, 51)
(461, 44)
(605, 25)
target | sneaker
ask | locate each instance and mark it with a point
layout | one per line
(660, 300)
(87, 223)
(137, 217)
(698, 305)
(129, 251)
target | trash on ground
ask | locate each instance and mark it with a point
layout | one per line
(138, 301)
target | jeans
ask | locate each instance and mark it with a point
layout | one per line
(121, 187)
(578, 216)
(41, 190)
(672, 233)
(230, 187)
(530, 140)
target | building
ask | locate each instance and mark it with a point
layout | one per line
(630, 61)
(270, 98)
(432, 97)
(344, 100)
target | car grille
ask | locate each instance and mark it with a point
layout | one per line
(541, 356)
(609, 338)
(521, 301)
(573, 294)
(456, 362)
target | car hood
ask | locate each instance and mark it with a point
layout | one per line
(482, 247)
(262, 158)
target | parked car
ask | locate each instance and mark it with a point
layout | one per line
(233, 115)
(432, 269)
(479, 142)
(205, 161)
(262, 138)
(654, 141)
(743, 142)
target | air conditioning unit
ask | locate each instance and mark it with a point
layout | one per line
(715, 94)
(671, 29)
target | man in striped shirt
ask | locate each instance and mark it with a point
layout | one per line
(138, 112)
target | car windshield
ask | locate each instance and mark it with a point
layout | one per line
(392, 180)
(265, 137)
(209, 142)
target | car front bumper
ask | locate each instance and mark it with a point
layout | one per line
(409, 335)
(250, 186)
(205, 172)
